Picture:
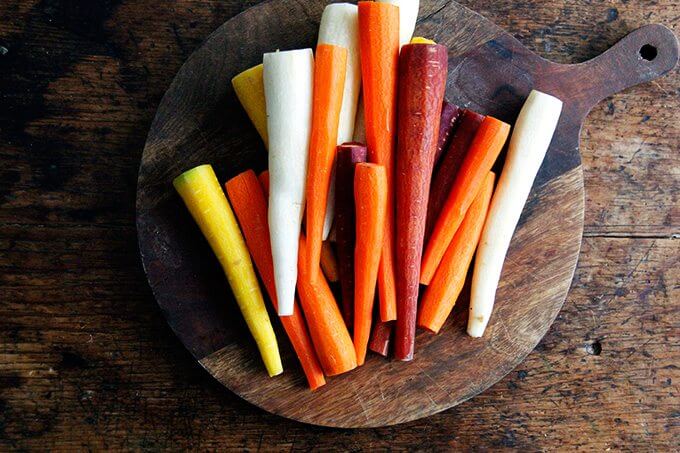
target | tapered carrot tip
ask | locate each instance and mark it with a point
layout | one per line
(422, 82)
(447, 284)
(370, 194)
(326, 327)
(207, 204)
(250, 206)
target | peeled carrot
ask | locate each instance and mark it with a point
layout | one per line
(348, 155)
(249, 88)
(422, 80)
(250, 205)
(408, 14)
(370, 196)
(379, 49)
(288, 85)
(340, 26)
(336, 354)
(447, 170)
(478, 161)
(531, 138)
(329, 83)
(448, 121)
(443, 291)
(380, 337)
(210, 209)
(329, 265)
(331, 339)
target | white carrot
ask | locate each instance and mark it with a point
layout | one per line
(340, 26)
(531, 137)
(288, 78)
(408, 14)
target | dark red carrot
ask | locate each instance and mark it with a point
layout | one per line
(447, 170)
(422, 80)
(348, 154)
(447, 124)
(380, 337)
(250, 206)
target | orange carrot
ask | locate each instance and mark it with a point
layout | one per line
(478, 161)
(370, 197)
(250, 206)
(379, 49)
(443, 291)
(330, 336)
(445, 174)
(329, 82)
(329, 265)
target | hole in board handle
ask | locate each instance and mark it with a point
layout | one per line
(648, 52)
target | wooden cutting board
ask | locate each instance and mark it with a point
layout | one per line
(200, 121)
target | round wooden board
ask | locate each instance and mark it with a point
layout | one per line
(200, 121)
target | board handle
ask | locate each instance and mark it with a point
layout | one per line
(643, 55)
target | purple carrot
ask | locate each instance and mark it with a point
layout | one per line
(446, 173)
(380, 337)
(447, 124)
(422, 80)
(348, 155)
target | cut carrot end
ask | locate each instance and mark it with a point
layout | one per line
(421, 40)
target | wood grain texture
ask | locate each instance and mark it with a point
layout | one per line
(86, 360)
(491, 73)
(190, 128)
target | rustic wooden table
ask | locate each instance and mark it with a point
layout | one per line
(86, 359)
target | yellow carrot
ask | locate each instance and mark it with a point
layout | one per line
(421, 40)
(249, 88)
(207, 204)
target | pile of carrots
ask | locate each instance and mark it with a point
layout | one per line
(402, 175)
